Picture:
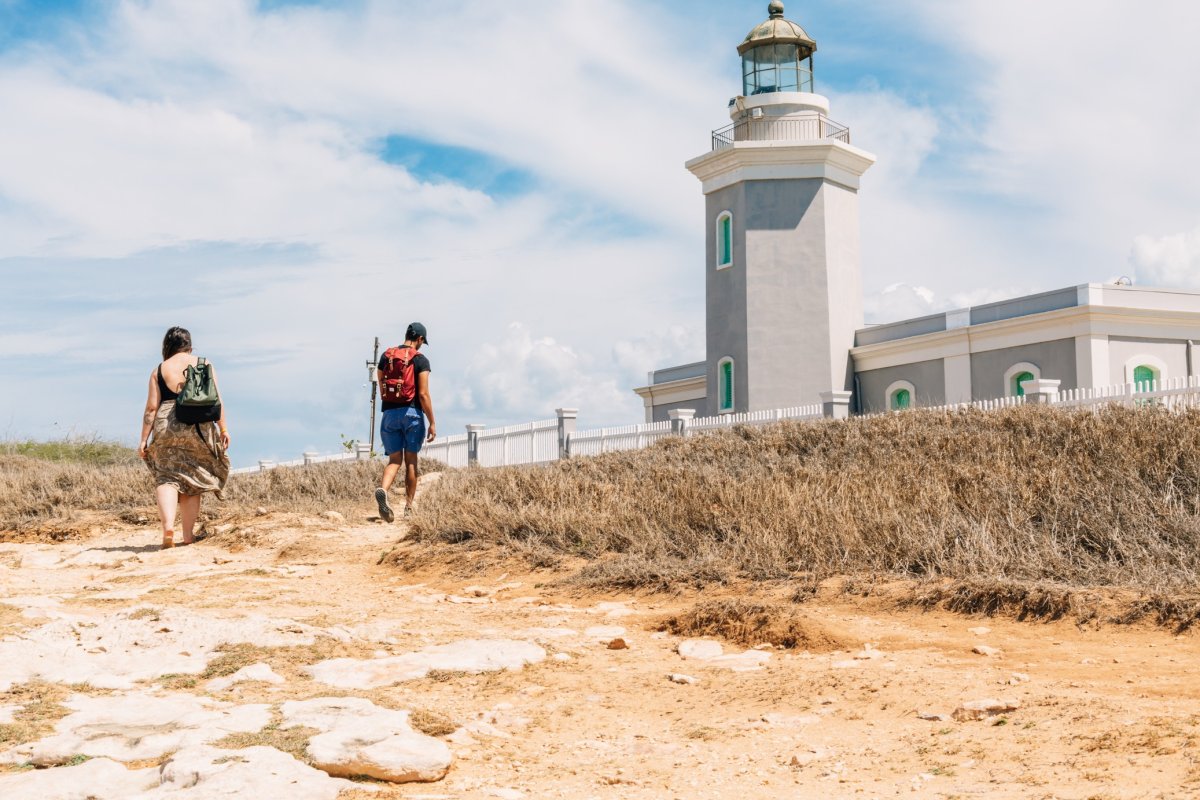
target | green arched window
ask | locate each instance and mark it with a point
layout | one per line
(724, 240)
(901, 399)
(1017, 389)
(1144, 375)
(725, 385)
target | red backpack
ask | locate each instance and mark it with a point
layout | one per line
(399, 384)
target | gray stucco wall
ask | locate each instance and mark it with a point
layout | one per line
(1056, 360)
(1123, 350)
(927, 377)
(725, 295)
(661, 414)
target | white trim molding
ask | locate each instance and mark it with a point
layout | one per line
(1155, 363)
(732, 385)
(781, 160)
(1017, 369)
(896, 386)
(726, 214)
(680, 391)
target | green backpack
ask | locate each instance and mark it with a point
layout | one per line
(198, 400)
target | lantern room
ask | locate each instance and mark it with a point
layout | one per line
(777, 56)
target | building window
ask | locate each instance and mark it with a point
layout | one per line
(1016, 375)
(900, 395)
(1018, 383)
(1144, 369)
(724, 240)
(725, 385)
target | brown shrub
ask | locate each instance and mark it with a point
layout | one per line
(1033, 494)
(749, 623)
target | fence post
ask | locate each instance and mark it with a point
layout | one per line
(567, 419)
(680, 419)
(1041, 392)
(473, 444)
(362, 451)
(310, 457)
(836, 405)
(265, 464)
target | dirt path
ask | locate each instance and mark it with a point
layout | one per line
(111, 624)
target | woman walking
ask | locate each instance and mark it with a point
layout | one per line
(187, 459)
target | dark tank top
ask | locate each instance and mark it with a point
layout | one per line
(163, 390)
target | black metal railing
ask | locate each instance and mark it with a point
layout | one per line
(767, 129)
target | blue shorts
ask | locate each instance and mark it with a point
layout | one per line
(402, 429)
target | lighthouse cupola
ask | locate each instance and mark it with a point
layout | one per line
(777, 56)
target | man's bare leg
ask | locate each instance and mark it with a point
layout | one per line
(390, 471)
(410, 480)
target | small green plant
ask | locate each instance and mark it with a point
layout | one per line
(349, 445)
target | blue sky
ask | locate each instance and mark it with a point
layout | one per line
(291, 179)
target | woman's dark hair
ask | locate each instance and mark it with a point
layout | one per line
(177, 340)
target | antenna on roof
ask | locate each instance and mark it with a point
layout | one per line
(1124, 280)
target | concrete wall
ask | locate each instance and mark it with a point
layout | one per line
(787, 289)
(725, 296)
(927, 377)
(660, 412)
(1167, 355)
(1056, 360)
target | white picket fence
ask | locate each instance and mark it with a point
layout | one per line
(610, 440)
(1173, 393)
(529, 443)
(538, 442)
(450, 450)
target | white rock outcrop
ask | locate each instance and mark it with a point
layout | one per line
(98, 779)
(712, 654)
(116, 651)
(137, 726)
(255, 672)
(468, 655)
(360, 738)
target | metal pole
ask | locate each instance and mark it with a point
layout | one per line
(373, 365)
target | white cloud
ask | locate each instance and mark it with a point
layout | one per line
(1168, 260)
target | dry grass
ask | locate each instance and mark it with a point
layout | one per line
(293, 741)
(61, 499)
(1036, 495)
(432, 723)
(288, 660)
(749, 623)
(41, 707)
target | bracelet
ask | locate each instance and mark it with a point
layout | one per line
(224, 430)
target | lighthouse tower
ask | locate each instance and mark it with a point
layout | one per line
(783, 285)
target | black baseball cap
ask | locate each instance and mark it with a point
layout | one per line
(416, 329)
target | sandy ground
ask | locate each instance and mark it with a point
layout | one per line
(1109, 712)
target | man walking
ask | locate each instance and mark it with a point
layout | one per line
(404, 390)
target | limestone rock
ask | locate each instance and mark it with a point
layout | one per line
(137, 727)
(261, 772)
(469, 655)
(930, 716)
(713, 654)
(100, 778)
(254, 672)
(980, 631)
(679, 677)
(618, 644)
(602, 633)
(1017, 677)
(984, 650)
(123, 648)
(868, 653)
(360, 738)
(334, 516)
(982, 709)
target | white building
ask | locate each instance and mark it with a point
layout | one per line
(784, 321)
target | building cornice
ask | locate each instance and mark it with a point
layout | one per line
(680, 391)
(1067, 323)
(781, 160)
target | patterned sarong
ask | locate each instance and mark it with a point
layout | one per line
(188, 457)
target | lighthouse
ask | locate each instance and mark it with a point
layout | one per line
(782, 275)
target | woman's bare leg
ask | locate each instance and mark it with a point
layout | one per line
(189, 510)
(168, 503)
